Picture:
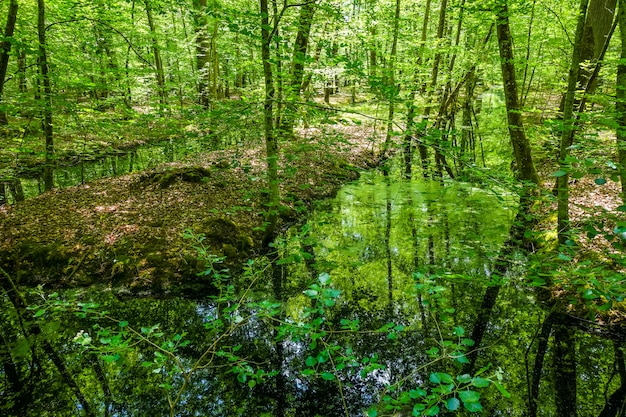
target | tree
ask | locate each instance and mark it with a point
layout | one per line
(5, 49)
(519, 141)
(46, 96)
(620, 100)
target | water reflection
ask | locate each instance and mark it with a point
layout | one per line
(420, 255)
(28, 182)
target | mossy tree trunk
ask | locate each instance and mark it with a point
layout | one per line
(271, 142)
(519, 141)
(620, 105)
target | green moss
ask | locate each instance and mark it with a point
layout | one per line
(166, 178)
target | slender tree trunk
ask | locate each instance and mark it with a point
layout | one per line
(21, 70)
(620, 104)
(271, 142)
(519, 141)
(202, 52)
(567, 135)
(294, 85)
(410, 118)
(5, 49)
(392, 88)
(158, 63)
(46, 96)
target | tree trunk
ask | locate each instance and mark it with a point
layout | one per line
(620, 104)
(519, 141)
(5, 48)
(158, 63)
(46, 96)
(202, 52)
(271, 143)
(567, 134)
(294, 85)
(392, 89)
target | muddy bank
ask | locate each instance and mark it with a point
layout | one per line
(128, 231)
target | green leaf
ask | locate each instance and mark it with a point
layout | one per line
(459, 331)
(473, 407)
(123, 323)
(479, 382)
(328, 376)
(308, 372)
(432, 411)
(600, 181)
(464, 379)
(502, 390)
(441, 377)
(251, 383)
(333, 293)
(310, 293)
(417, 392)
(469, 396)
(39, 313)
(372, 412)
(467, 342)
(606, 306)
(453, 404)
(559, 173)
(324, 278)
(310, 361)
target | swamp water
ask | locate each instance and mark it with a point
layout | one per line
(85, 169)
(383, 286)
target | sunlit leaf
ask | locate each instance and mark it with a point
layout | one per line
(310, 293)
(324, 278)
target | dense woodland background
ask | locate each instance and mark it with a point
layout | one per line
(523, 95)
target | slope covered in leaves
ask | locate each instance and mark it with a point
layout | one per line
(127, 231)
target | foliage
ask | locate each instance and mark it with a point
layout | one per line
(327, 357)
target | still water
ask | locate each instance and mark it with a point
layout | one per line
(81, 170)
(371, 310)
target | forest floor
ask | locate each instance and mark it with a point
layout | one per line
(128, 231)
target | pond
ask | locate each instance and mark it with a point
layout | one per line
(85, 168)
(393, 299)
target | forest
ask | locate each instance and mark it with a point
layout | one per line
(313, 208)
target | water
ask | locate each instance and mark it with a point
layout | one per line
(81, 169)
(385, 285)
